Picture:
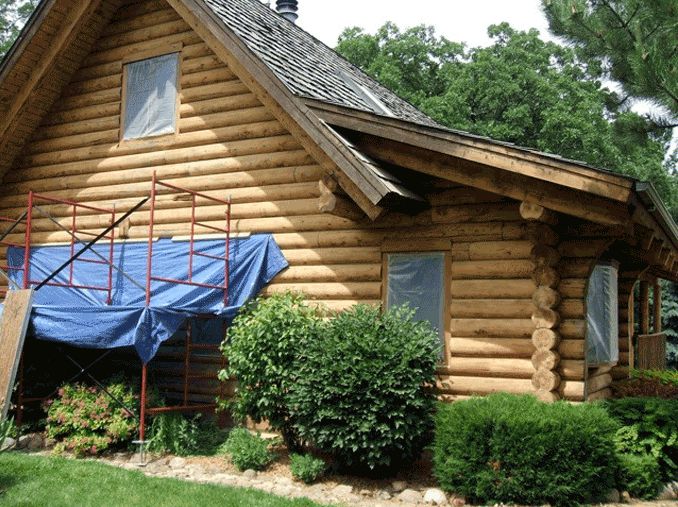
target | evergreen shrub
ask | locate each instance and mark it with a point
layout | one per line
(649, 432)
(516, 449)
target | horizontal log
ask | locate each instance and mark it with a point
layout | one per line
(583, 247)
(325, 256)
(545, 276)
(343, 304)
(571, 309)
(214, 91)
(353, 290)
(114, 54)
(483, 385)
(463, 195)
(574, 288)
(572, 369)
(545, 297)
(545, 318)
(69, 129)
(510, 328)
(572, 349)
(572, 390)
(218, 105)
(120, 160)
(521, 268)
(490, 347)
(603, 394)
(475, 213)
(488, 289)
(334, 273)
(598, 383)
(499, 250)
(207, 77)
(573, 329)
(491, 308)
(488, 367)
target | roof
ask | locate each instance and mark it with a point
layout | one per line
(307, 66)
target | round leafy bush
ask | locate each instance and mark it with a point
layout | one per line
(85, 420)
(515, 449)
(306, 468)
(360, 392)
(248, 451)
(261, 349)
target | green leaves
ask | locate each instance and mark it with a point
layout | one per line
(360, 393)
(261, 348)
(522, 90)
(248, 451)
(306, 468)
(515, 449)
(13, 15)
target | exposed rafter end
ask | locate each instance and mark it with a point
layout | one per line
(537, 213)
(331, 201)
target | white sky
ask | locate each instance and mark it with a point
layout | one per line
(458, 20)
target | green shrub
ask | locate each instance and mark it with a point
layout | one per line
(649, 427)
(644, 383)
(85, 420)
(248, 451)
(173, 433)
(360, 393)
(7, 430)
(262, 346)
(515, 449)
(306, 468)
(640, 475)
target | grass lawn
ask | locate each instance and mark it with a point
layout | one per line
(39, 481)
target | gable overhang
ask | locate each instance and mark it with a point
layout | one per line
(565, 186)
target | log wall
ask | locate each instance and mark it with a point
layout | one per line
(230, 144)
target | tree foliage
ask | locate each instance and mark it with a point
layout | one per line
(520, 89)
(635, 41)
(13, 15)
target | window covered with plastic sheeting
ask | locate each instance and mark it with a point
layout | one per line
(418, 279)
(602, 316)
(151, 97)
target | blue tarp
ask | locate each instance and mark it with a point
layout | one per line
(81, 318)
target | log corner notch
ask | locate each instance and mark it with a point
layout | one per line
(545, 338)
(332, 200)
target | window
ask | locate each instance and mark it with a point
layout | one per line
(602, 316)
(150, 97)
(419, 280)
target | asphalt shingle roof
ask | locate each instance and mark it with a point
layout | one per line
(307, 66)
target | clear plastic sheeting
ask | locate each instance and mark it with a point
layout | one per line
(418, 280)
(602, 331)
(151, 97)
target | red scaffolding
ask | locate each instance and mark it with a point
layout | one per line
(197, 228)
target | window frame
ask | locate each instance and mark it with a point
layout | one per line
(147, 54)
(443, 247)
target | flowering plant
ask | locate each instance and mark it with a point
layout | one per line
(85, 420)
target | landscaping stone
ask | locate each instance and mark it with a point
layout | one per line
(613, 496)
(625, 497)
(384, 495)
(410, 496)
(458, 501)
(342, 491)
(7, 444)
(435, 496)
(30, 442)
(250, 474)
(177, 463)
(398, 486)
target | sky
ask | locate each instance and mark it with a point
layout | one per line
(457, 20)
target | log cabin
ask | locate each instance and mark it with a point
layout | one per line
(524, 261)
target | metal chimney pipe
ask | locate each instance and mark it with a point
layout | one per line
(288, 9)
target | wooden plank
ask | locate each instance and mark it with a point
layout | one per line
(13, 326)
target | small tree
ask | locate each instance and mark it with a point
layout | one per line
(361, 389)
(262, 347)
